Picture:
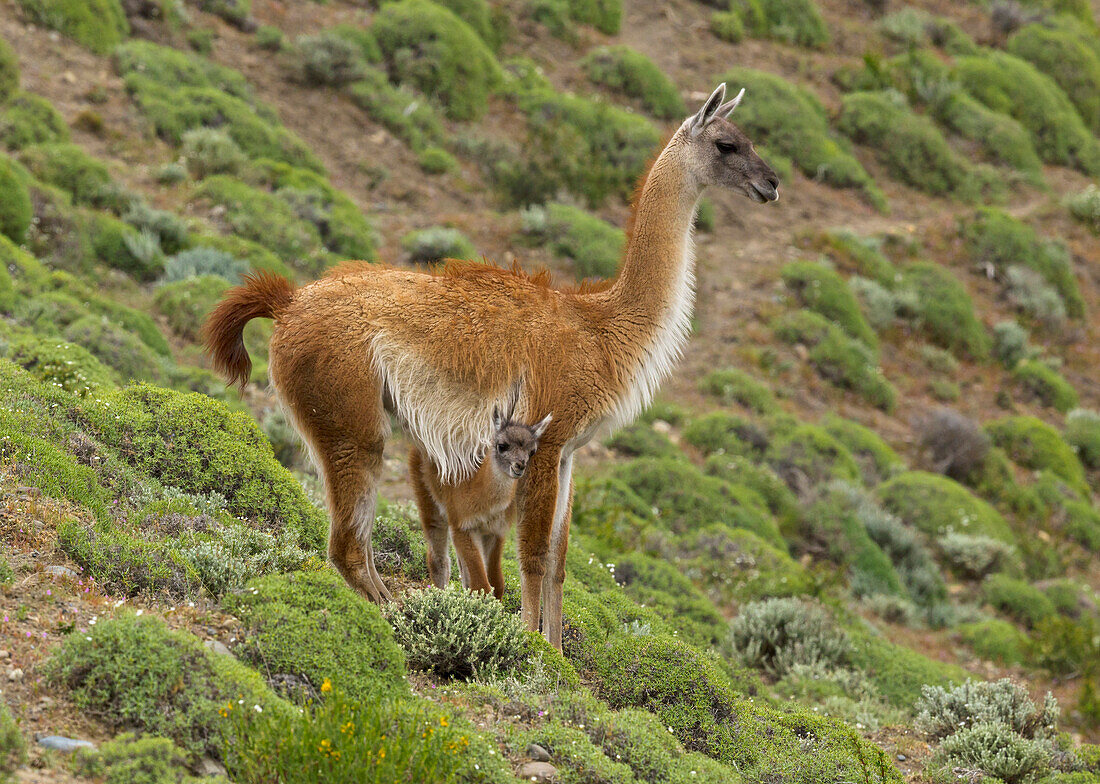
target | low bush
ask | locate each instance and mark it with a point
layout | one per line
(906, 549)
(328, 59)
(1002, 139)
(1026, 290)
(15, 203)
(945, 310)
(457, 634)
(806, 456)
(135, 672)
(270, 38)
(942, 712)
(1085, 207)
(408, 117)
(721, 433)
(790, 120)
(974, 557)
(115, 347)
(594, 244)
(176, 67)
(936, 505)
(995, 640)
(210, 151)
(631, 73)
(1073, 63)
(1008, 84)
(30, 119)
(186, 303)
(791, 21)
(203, 261)
(99, 25)
(305, 628)
(133, 759)
(1045, 384)
(844, 361)
(819, 288)
(733, 385)
(1066, 647)
(727, 25)
(436, 160)
(433, 245)
(776, 634)
(656, 583)
(956, 444)
(575, 754)
(913, 148)
(860, 255)
(1034, 444)
(1010, 343)
(781, 502)
(641, 440)
(997, 752)
(430, 47)
(1016, 598)
(9, 72)
(13, 749)
(1083, 434)
(1000, 240)
(70, 168)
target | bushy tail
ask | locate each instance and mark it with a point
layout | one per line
(262, 295)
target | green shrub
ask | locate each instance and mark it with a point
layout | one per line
(686, 500)
(997, 752)
(604, 15)
(913, 148)
(776, 634)
(309, 626)
(1046, 384)
(696, 700)
(99, 25)
(1008, 84)
(1068, 60)
(70, 168)
(436, 160)
(790, 120)
(1002, 139)
(976, 556)
(996, 238)
(1065, 647)
(132, 759)
(995, 640)
(433, 245)
(427, 45)
(733, 385)
(9, 72)
(13, 749)
(1036, 445)
(174, 67)
(942, 712)
(781, 502)
(591, 147)
(1010, 343)
(345, 741)
(862, 255)
(727, 25)
(1016, 598)
(186, 303)
(203, 261)
(945, 310)
(72, 368)
(641, 440)
(819, 288)
(655, 583)
(936, 505)
(1083, 434)
(578, 758)
(115, 347)
(270, 38)
(411, 119)
(807, 455)
(30, 119)
(328, 59)
(457, 634)
(594, 245)
(1085, 207)
(876, 458)
(631, 73)
(792, 21)
(15, 202)
(210, 151)
(844, 361)
(135, 672)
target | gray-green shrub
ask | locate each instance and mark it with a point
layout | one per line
(776, 634)
(944, 711)
(432, 245)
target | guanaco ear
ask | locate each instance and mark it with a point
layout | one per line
(498, 419)
(726, 109)
(540, 428)
(702, 118)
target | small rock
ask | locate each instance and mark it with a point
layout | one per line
(537, 753)
(66, 745)
(901, 758)
(15, 675)
(69, 77)
(61, 571)
(662, 427)
(4, 654)
(538, 771)
(217, 646)
(208, 766)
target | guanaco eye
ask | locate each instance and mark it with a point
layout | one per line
(502, 448)
(726, 147)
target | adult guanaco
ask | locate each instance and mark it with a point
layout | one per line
(441, 349)
(478, 512)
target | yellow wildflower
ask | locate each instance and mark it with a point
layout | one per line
(443, 721)
(381, 754)
(348, 728)
(326, 687)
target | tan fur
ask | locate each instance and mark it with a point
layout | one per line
(441, 349)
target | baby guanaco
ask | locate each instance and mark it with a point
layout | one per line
(478, 512)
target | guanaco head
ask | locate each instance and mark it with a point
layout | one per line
(514, 443)
(719, 153)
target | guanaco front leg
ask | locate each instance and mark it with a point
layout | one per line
(470, 556)
(554, 580)
(536, 522)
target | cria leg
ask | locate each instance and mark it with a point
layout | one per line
(492, 545)
(470, 556)
(436, 531)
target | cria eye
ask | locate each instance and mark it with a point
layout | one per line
(502, 448)
(726, 147)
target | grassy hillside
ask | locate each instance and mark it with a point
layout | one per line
(865, 500)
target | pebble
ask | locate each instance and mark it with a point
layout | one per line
(15, 675)
(61, 571)
(901, 758)
(208, 766)
(4, 654)
(67, 745)
(538, 771)
(537, 753)
(218, 647)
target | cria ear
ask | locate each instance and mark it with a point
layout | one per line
(499, 419)
(726, 109)
(702, 118)
(541, 426)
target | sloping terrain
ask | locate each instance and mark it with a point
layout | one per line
(871, 480)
